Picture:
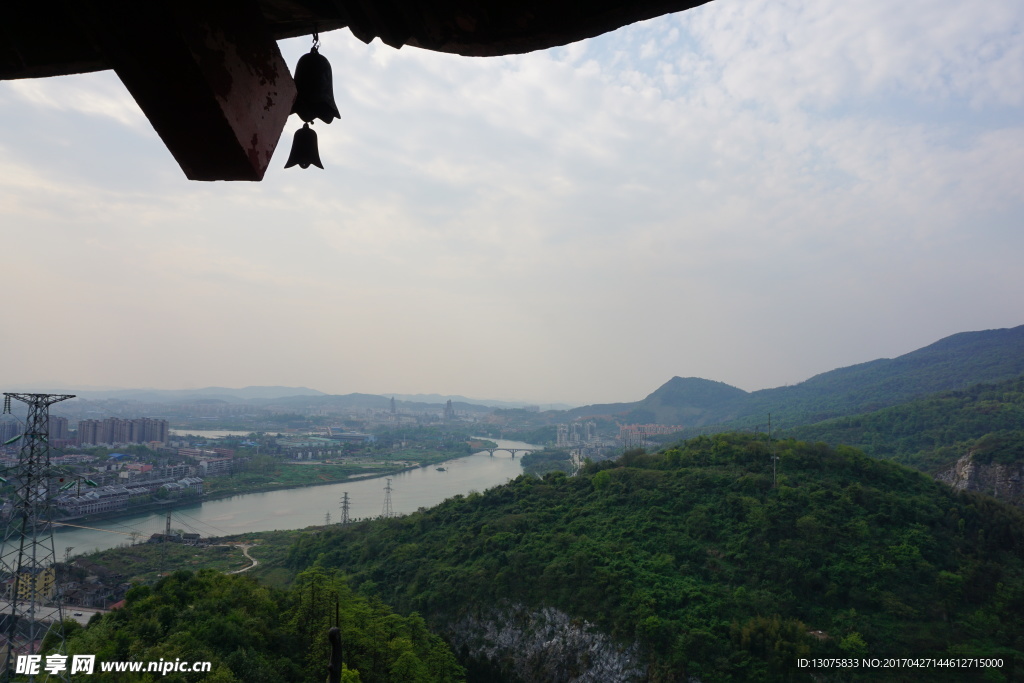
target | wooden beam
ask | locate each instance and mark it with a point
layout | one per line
(208, 75)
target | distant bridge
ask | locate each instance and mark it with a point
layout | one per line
(513, 451)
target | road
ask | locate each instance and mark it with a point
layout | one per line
(245, 551)
(48, 612)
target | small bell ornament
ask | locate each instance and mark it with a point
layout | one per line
(314, 99)
(304, 149)
(315, 87)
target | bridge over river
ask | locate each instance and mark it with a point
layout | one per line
(513, 451)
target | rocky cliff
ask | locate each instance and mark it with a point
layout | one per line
(543, 645)
(1005, 482)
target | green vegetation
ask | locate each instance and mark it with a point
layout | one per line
(540, 435)
(147, 562)
(688, 401)
(394, 451)
(256, 634)
(931, 432)
(547, 460)
(1003, 448)
(716, 573)
(270, 549)
(284, 474)
(950, 364)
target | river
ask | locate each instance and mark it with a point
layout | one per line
(302, 507)
(207, 433)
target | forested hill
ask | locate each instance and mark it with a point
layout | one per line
(681, 401)
(696, 560)
(953, 363)
(930, 433)
(251, 634)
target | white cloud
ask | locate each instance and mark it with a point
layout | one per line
(752, 192)
(99, 94)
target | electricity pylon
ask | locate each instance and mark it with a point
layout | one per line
(344, 507)
(30, 590)
(387, 512)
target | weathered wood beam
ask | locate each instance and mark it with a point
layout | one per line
(208, 75)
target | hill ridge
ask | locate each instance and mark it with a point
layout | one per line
(953, 362)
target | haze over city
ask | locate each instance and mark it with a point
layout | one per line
(747, 192)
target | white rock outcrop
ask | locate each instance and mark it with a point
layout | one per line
(546, 645)
(1005, 482)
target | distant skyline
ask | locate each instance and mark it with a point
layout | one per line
(748, 192)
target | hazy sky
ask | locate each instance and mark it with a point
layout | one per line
(752, 192)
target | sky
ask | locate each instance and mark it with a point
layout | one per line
(752, 192)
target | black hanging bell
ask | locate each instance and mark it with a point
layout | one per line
(315, 88)
(304, 150)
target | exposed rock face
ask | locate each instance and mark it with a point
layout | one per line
(1005, 482)
(544, 645)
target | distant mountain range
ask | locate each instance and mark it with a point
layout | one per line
(493, 403)
(295, 398)
(955, 362)
(952, 363)
(188, 395)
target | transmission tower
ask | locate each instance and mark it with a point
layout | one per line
(344, 507)
(33, 593)
(388, 512)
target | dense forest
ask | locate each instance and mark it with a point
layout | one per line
(254, 634)
(711, 566)
(547, 460)
(931, 432)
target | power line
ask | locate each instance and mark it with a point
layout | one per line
(219, 531)
(93, 528)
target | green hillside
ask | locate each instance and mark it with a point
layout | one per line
(953, 363)
(930, 433)
(693, 554)
(253, 634)
(688, 401)
(682, 400)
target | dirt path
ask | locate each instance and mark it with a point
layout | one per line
(245, 551)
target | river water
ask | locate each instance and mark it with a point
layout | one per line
(207, 433)
(302, 507)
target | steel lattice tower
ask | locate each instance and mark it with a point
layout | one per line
(387, 512)
(344, 507)
(31, 595)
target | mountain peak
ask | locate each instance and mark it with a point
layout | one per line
(689, 390)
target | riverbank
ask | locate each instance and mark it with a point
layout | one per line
(285, 487)
(160, 506)
(353, 474)
(301, 507)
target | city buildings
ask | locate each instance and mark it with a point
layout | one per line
(118, 497)
(213, 467)
(576, 433)
(115, 430)
(38, 580)
(635, 436)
